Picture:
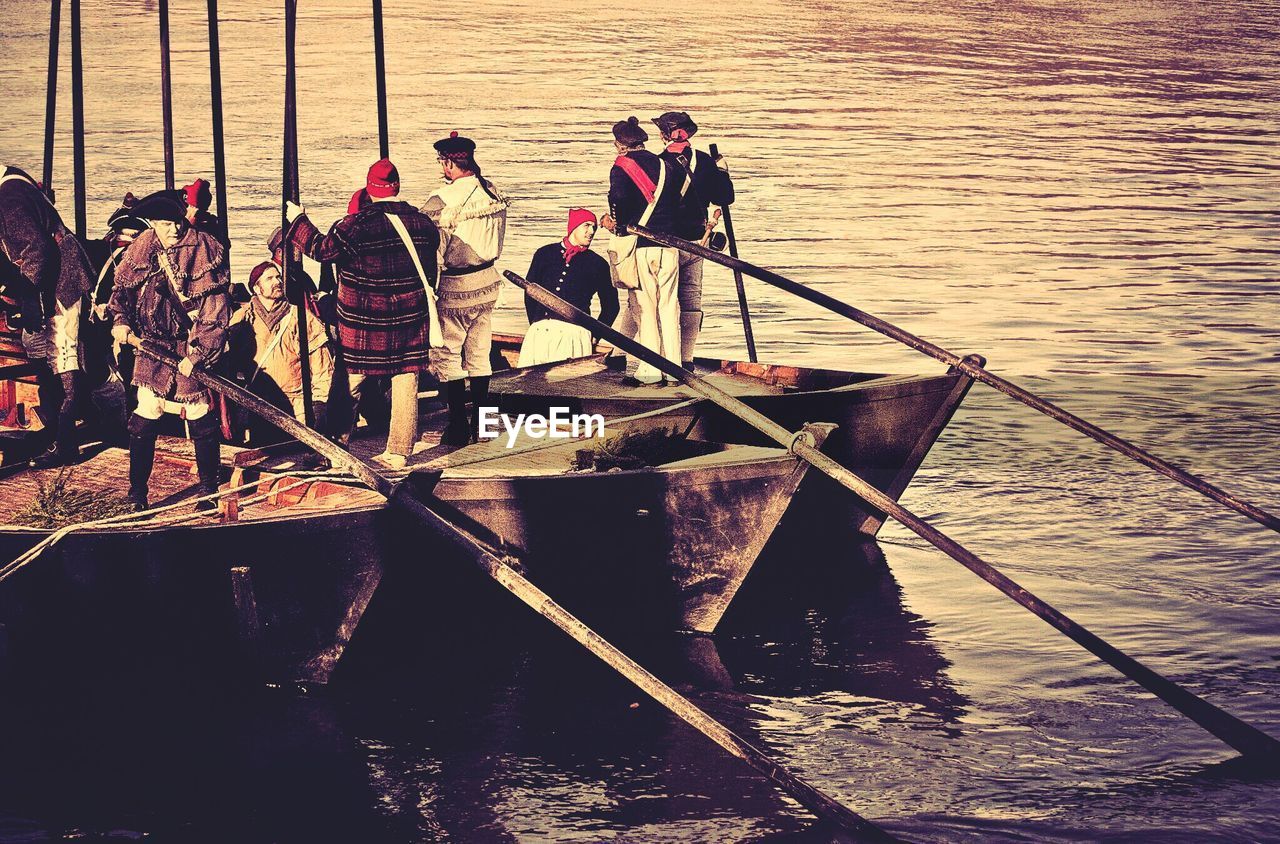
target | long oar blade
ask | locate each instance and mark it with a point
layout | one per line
(1245, 738)
(971, 368)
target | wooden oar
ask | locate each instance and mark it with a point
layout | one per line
(975, 371)
(166, 94)
(1247, 739)
(51, 92)
(380, 79)
(806, 795)
(215, 98)
(297, 293)
(77, 121)
(737, 275)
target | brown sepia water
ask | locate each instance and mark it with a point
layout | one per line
(1087, 193)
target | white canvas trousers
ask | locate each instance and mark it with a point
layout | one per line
(659, 306)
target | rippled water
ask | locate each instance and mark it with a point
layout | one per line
(1085, 193)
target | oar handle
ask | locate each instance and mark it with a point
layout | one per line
(1245, 738)
(977, 372)
(337, 455)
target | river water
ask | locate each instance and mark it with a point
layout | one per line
(1086, 193)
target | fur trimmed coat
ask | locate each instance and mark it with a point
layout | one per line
(40, 259)
(190, 322)
(473, 226)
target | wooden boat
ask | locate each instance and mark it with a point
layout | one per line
(671, 544)
(284, 574)
(886, 424)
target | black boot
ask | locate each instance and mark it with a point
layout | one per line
(57, 413)
(457, 432)
(204, 435)
(479, 397)
(142, 453)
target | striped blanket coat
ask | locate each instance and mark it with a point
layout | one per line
(382, 307)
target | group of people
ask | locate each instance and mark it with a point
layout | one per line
(413, 289)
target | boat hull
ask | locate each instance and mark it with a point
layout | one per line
(885, 424)
(662, 547)
(108, 605)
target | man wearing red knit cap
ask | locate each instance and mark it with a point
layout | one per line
(569, 269)
(384, 254)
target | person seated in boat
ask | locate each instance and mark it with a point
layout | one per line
(171, 290)
(569, 269)
(263, 344)
(709, 185)
(45, 272)
(644, 189)
(381, 254)
(472, 216)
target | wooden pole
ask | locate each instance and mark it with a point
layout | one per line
(51, 91)
(978, 373)
(380, 75)
(1245, 738)
(77, 119)
(215, 100)
(166, 94)
(737, 275)
(398, 494)
(295, 291)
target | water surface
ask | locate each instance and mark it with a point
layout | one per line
(1085, 193)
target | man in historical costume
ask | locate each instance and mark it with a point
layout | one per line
(199, 196)
(382, 312)
(569, 269)
(264, 348)
(472, 216)
(645, 189)
(172, 291)
(710, 185)
(45, 272)
(108, 368)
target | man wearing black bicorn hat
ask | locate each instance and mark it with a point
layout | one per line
(45, 275)
(171, 289)
(472, 216)
(645, 190)
(108, 365)
(710, 186)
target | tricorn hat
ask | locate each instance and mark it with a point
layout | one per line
(629, 132)
(161, 205)
(676, 120)
(455, 147)
(125, 217)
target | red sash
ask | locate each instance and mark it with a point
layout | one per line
(637, 174)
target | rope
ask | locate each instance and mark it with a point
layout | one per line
(148, 517)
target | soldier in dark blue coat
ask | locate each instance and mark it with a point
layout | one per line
(569, 269)
(645, 190)
(710, 185)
